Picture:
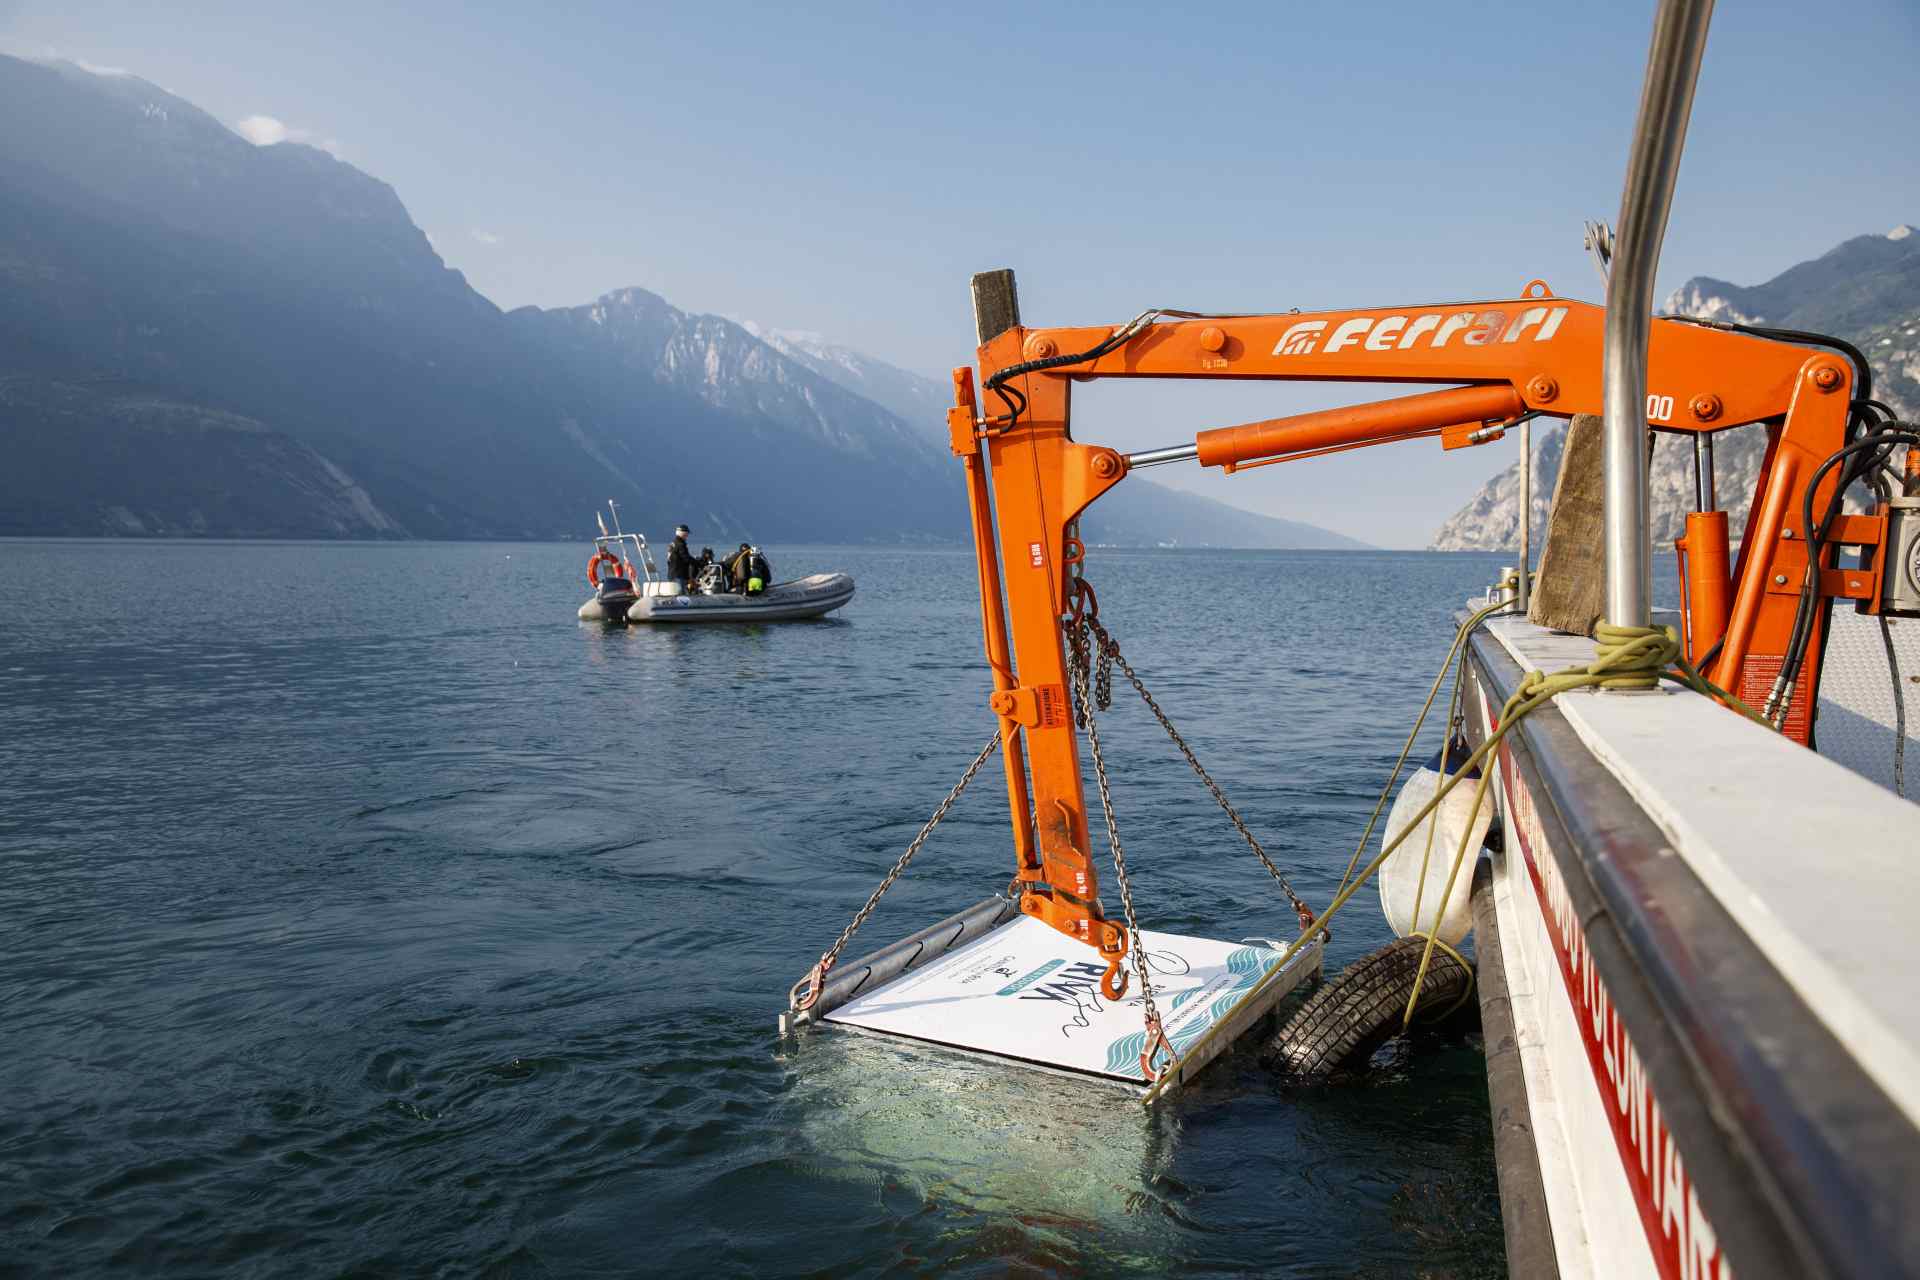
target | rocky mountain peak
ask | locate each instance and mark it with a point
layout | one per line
(1865, 290)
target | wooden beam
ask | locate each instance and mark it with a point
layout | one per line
(1570, 591)
(996, 304)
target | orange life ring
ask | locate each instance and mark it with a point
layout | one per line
(593, 567)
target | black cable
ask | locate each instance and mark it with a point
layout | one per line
(1118, 338)
(1862, 371)
(1007, 396)
(1804, 620)
(1816, 538)
(1114, 339)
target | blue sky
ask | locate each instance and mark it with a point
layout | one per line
(844, 168)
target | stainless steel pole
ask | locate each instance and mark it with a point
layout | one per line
(1653, 164)
(1526, 515)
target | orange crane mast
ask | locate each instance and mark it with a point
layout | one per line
(1028, 481)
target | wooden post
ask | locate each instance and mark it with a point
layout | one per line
(1570, 593)
(996, 304)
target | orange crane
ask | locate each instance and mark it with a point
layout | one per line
(1760, 623)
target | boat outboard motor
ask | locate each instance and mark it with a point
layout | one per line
(616, 595)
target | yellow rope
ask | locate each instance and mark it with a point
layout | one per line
(1626, 658)
(1459, 639)
(1446, 896)
(1426, 853)
(1459, 959)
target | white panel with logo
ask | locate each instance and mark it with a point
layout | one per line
(1026, 992)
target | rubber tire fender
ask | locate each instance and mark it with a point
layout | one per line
(1346, 1020)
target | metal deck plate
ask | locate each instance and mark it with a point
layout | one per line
(1026, 992)
(1857, 713)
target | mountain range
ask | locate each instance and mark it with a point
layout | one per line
(1865, 290)
(1138, 513)
(200, 336)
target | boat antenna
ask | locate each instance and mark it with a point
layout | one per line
(602, 522)
(615, 508)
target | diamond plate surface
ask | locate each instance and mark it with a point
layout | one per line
(1857, 716)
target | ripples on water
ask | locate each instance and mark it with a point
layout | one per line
(365, 913)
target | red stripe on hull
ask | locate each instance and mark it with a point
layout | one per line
(1682, 1242)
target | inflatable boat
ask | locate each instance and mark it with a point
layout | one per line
(813, 596)
(629, 587)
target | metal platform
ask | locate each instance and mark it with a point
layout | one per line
(1855, 727)
(1020, 991)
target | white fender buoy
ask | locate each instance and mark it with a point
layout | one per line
(1401, 881)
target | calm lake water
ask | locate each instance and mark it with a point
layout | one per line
(366, 914)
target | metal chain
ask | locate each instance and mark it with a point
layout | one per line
(1155, 1029)
(1078, 656)
(816, 978)
(1110, 653)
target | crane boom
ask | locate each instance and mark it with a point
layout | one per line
(1029, 480)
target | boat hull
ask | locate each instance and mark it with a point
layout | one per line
(813, 596)
(1689, 1106)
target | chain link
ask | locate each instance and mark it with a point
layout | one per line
(1156, 1035)
(1110, 653)
(817, 977)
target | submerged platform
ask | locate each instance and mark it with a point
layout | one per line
(1027, 993)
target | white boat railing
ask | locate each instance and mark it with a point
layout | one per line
(630, 548)
(624, 542)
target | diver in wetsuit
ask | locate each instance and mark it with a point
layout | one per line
(679, 559)
(739, 568)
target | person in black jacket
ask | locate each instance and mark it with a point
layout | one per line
(679, 559)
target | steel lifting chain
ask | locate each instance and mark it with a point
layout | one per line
(1109, 653)
(1156, 1036)
(816, 978)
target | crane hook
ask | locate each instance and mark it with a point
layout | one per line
(1156, 1040)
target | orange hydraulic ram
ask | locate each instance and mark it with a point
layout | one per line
(1362, 423)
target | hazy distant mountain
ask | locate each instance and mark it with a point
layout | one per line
(777, 449)
(1866, 291)
(1138, 513)
(918, 400)
(200, 336)
(224, 322)
(1142, 513)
